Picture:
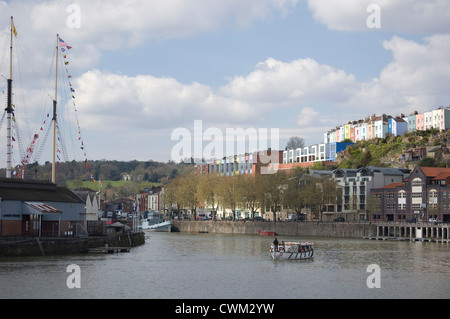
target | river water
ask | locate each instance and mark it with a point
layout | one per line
(212, 266)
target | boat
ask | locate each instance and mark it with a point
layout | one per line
(154, 222)
(266, 232)
(292, 250)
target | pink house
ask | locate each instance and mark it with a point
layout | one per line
(370, 130)
(420, 124)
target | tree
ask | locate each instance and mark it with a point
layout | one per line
(208, 192)
(295, 142)
(250, 188)
(186, 192)
(230, 195)
(273, 186)
(296, 194)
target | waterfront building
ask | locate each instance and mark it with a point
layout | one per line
(39, 208)
(357, 184)
(248, 163)
(153, 201)
(325, 152)
(91, 199)
(424, 194)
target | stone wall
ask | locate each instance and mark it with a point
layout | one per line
(66, 246)
(302, 229)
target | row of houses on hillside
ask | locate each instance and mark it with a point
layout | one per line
(380, 126)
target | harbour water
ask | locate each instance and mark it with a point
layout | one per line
(212, 266)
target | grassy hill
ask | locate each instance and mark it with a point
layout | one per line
(395, 151)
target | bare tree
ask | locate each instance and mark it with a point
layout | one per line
(295, 142)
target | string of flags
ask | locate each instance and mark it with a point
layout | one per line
(64, 50)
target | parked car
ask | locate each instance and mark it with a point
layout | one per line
(339, 219)
(432, 220)
(258, 218)
(411, 220)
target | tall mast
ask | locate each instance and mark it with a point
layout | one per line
(54, 113)
(9, 109)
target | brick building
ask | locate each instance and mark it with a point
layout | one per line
(423, 195)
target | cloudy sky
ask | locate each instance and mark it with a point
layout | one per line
(144, 72)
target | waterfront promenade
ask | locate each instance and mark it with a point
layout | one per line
(368, 230)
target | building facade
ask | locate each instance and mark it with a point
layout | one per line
(357, 184)
(423, 195)
(39, 208)
(243, 164)
(379, 126)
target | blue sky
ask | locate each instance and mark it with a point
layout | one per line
(144, 69)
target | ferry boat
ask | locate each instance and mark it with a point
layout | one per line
(292, 250)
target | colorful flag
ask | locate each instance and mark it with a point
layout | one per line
(63, 44)
(14, 30)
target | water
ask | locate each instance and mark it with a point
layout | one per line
(206, 266)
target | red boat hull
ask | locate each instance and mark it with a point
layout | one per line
(266, 232)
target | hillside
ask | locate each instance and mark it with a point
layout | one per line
(425, 148)
(113, 173)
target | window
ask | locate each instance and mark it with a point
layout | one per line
(432, 194)
(417, 182)
(416, 195)
(401, 194)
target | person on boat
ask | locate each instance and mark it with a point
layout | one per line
(275, 244)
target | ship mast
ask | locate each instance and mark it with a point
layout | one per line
(54, 113)
(9, 109)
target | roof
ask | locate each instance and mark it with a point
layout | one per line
(435, 171)
(393, 185)
(35, 191)
(43, 207)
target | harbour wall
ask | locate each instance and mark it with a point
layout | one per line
(301, 229)
(65, 246)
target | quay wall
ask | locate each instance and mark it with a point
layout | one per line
(65, 246)
(301, 229)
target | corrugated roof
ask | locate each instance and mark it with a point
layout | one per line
(43, 207)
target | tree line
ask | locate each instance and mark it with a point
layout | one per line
(151, 171)
(265, 193)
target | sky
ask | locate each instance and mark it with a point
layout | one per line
(166, 79)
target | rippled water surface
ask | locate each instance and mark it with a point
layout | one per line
(180, 265)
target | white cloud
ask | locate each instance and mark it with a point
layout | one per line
(298, 82)
(418, 69)
(410, 16)
(142, 102)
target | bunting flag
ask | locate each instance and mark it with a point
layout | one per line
(14, 30)
(64, 48)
